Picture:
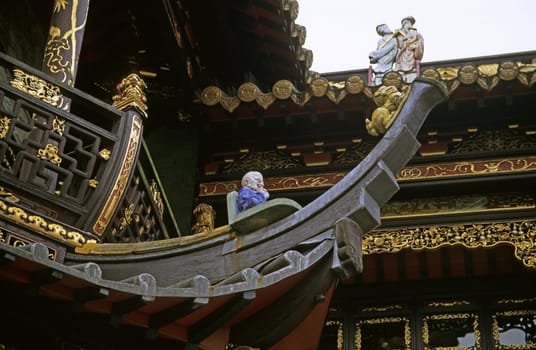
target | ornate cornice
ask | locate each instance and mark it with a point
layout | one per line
(520, 234)
(409, 173)
(487, 76)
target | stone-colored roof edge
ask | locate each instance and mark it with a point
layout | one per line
(487, 76)
(299, 34)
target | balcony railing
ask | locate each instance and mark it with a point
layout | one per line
(69, 164)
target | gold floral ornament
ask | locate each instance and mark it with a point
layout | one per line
(389, 101)
(508, 71)
(393, 79)
(247, 92)
(37, 87)
(283, 89)
(58, 126)
(354, 84)
(211, 95)
(130, 94)
(105, 153)
(319, 87)
(468, 74)
(50, 153)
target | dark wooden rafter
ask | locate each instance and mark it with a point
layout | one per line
(119, 309)
(299, 302)
(173, 313)
(218, 318)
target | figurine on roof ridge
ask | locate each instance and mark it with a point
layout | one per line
(385, 54)
(401, 51)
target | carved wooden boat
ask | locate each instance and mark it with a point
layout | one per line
(231, 287)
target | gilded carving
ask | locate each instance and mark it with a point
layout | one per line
(383, 308)
(464, 318)
(389, 101)
(431, 73)
(340, 332)
(488, 70)
(527, 73)
(93, 183)
(54, 60)
(336, 95)
(58, 125)
(37, 87)
(413, 173)
(265, 100)
(4, 127)
(230, 103)
(157, 196)
(392, 79)
(261, 160)
(41, 226)
(380, 321)
(127, 164)
(520, 234)
(60, 5)
(508, 71)
(486, 75)
(448, 73)
(467, 168)
(50, 153)
(283, 89)
(495, 140)
(449, 304)
(211, 96)
(247, 92)
(105, 153)
(319, 87)
(130, 94)
(521, 320)
(468, 74)
(204, 216)
(354, 84)
(301, 98)
(126, 219)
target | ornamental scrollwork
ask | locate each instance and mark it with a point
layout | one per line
(520, 234)
(383, 321)
(40, 225)
(50, 153)
(37, 87)
(448, 321)
(340, 332)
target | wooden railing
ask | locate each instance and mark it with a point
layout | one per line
(71, 161)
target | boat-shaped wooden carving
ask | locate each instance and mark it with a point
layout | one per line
(250, 284)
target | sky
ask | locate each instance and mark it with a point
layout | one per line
(341, 33)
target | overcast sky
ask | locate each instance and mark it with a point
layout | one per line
(341, 33)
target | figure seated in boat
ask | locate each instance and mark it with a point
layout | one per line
(252, 192)
(249, 209)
